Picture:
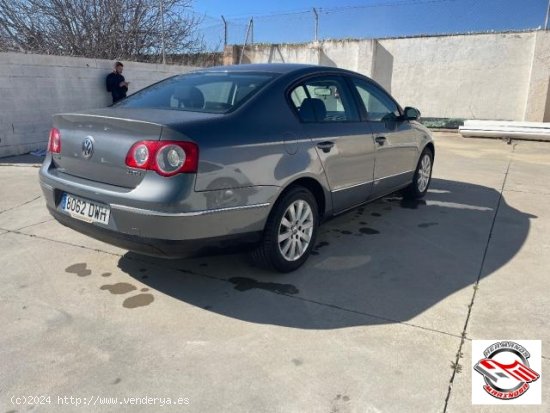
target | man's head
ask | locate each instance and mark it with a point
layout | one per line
(118, 67)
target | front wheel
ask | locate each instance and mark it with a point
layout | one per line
(422, 176)
(290, 231)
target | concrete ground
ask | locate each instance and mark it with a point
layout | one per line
(378, 320)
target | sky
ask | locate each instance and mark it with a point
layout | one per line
(289, 21)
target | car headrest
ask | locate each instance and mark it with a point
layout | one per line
(313, 109)
(190, 97)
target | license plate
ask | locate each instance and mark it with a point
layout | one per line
(85, 210)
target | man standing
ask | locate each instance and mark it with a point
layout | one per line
(116, 83)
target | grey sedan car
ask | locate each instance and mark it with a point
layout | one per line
(252, 154)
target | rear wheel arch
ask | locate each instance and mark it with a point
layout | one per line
(268, 253)
(314, 187)
(290, 231)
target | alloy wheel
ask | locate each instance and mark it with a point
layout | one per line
(295, 230)
(424, 173)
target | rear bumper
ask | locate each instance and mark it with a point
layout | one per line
(162, 217)
(160, 247)
(174, 226)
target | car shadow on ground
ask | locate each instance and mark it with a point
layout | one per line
(27, 159)
(388, 261)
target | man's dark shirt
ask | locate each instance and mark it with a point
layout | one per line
(113, 82)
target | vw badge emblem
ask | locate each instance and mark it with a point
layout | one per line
(88, 147)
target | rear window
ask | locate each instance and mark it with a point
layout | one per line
(199, 92)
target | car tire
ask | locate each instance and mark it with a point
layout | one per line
(290, 231)
(422, 176)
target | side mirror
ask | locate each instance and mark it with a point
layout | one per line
(411, 113)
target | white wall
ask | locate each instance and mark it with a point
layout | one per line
(472, 76)
(538, 96)
(496, 76)
(34, 87)
(352, 55)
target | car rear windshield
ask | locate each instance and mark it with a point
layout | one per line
(210, 92)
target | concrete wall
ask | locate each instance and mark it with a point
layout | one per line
(538, 94)
(498, 76)
(352, 55)
(474, 77)
(34, 87)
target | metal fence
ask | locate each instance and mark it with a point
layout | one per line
(377, 19)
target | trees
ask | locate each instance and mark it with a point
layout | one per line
(107, 29)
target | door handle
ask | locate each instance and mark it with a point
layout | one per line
(325, 146)
(380, 140)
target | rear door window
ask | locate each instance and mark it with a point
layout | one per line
(324, 99)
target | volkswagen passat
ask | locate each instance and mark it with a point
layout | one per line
(258, 154)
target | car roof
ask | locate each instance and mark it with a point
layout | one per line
(281, 68)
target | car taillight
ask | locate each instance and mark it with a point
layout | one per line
(167, 158)
(54, 141)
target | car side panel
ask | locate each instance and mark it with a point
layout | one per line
(396, 156)
(256, 148)
(349, 165)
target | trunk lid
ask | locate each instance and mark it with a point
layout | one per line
(112, 133)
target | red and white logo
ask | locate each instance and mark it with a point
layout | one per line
(506, 372)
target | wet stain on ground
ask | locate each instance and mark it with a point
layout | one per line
(411, 203)
(297, 362)
(368, 231)
(376, 214)
(142, 269)
(427, 224)
(346, 232)
(315, 250)
(340, 397)
(245, 284)
(78, 269)
(140, 300)
(144, 277)
(363, 223)
(118, 380)
(379, 275)
(118, 288)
